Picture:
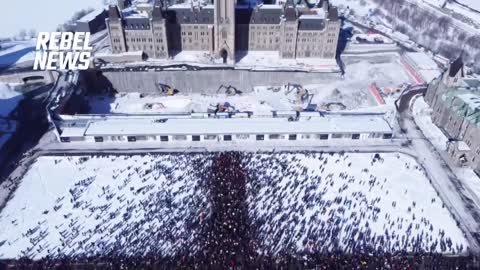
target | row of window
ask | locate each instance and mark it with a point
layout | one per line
(266, 27)
(133, 39)
(190, 33)
(228, 137)
(264, 34)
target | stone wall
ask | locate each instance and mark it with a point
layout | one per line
(207, 81)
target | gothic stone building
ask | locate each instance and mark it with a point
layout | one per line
(455, 103)
(224, 28)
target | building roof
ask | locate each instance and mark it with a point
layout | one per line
(137, 23)
(289, 11)
(314, 125)
(471, 83)
(265, 14)
(310, 23)
(465, 103)
(113, 12)
(181, 14)
(92, 15)
(157, 13)
(333, 13)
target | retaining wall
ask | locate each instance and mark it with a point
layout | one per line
(206, 81)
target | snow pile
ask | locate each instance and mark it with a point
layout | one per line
(358, 7)
(83, 205)
(323, 202)
(9, 99)
(262, 100)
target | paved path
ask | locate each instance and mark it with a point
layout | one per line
(442, 177)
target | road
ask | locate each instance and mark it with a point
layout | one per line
(442, 177)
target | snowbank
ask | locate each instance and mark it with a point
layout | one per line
(422, 115)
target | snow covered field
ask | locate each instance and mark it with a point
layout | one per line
(319, 202)
(81, 205)
(296, 202)
(262, 101)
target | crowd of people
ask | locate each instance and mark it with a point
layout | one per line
(230, 210)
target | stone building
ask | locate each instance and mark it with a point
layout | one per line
(455, 103)
(225, 28)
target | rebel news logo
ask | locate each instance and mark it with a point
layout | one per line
(62, 51)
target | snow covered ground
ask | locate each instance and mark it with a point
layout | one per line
(472, 14)
(352, 91)
(296, 202)
(359, 7)
(256, 60)
(261, 101)
(422, 115)
(39, 15)
(81, 205)
(320, 202)
(475, 4)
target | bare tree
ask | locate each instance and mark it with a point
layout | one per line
(32, 33)
(22, 34)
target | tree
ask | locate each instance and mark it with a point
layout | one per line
(32, 33)
(22, 34)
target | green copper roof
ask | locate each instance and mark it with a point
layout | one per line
(465, 103)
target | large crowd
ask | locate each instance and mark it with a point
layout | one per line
(324, 202)
(229, 211)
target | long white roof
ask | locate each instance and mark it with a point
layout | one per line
(147, 126)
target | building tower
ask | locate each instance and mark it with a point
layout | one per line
(455, 72)
(115, 30)
(159, 29)
(224, 24)
(289, 30)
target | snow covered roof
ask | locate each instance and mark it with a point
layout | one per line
(465, 103)
(313, 125)
(462, 146)
(92, 15)
(311, 22)
(426, 67)
(473, 101)
(422, 60)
